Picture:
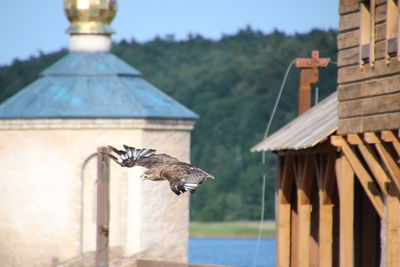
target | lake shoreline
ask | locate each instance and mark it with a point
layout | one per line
(234, 237)
(233, 229)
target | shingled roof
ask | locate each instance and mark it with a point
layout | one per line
(92, 85)
(309, 129)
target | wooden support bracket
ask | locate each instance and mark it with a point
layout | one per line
(390, 136)
(304, 169)
(325, 170)
(390, 163)
(370, 158)
(286, 179)
(362, 174)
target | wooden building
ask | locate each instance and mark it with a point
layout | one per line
(307, 195)
(338, 200)
(368, 130)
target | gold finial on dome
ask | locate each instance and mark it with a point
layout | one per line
(90, 16)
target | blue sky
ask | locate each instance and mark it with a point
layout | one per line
(28, 27)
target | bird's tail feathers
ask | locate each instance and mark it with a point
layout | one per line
(128, 157)
(191, 187)
(207, 175)
(136, 154)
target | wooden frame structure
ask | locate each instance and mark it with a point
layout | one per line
(373, 159)
(338, 195)
(306, 193)
(354, 218)
(369, 122)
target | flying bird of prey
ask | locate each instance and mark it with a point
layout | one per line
(181, 176)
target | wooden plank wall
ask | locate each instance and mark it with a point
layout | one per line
(369, 95)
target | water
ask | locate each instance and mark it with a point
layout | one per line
(236, 252)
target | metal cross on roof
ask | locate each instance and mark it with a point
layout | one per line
(308, 75)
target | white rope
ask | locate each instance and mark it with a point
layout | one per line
(278, 98)
(263, 162)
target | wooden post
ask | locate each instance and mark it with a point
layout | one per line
(304, 173)
(393, 226)
(326, 180)
(393, 204)
(308, 75)
(284, 210)
(103, 208)
(345, 180)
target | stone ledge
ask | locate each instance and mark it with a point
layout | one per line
(42, 124)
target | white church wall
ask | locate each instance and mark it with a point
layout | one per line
(41, 201)
(164, 217)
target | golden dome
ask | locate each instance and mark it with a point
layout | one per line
(90, 16)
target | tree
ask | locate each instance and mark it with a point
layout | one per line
(232, 84)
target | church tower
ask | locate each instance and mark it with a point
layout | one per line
(49, 134)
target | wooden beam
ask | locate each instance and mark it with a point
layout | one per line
(345, 182)
(393, 197)
(354, 139)
(325, 234)
(329, 180)
(304, 173)
(103, 206)
(286, 179)
(390, 188)
(304, 169)
(337, 140)
(284, 210)
(308, 75)
(304, 97)
(325, 170)
(362, 175)
(283, 242)
(294, 233)
(393, 227)
(303, 245)
(389, 136)
(390, 163)
(324, 147)
(372, 34)
(320, 166)
(372, 162)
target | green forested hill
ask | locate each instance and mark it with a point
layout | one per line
(232, 84)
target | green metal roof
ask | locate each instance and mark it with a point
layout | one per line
(92, 85)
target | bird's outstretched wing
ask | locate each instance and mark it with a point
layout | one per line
(184, 177)
(131, 156)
